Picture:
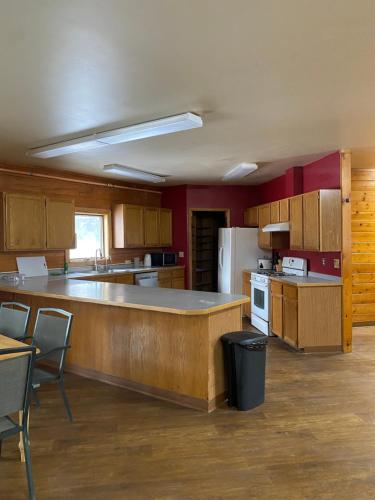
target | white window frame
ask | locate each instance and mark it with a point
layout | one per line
(106, 214)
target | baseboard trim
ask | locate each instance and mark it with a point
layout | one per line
(164, 394)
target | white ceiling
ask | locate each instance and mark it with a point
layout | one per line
(277, 82)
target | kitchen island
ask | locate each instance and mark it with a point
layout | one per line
(161, 342)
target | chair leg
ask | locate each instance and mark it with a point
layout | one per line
(29, 474)
(65, 398)
(35, 397)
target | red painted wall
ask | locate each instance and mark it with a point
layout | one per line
(321, 174)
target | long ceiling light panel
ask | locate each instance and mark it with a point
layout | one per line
(132, 173)
(169, 125)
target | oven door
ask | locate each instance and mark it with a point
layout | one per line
(259, 300)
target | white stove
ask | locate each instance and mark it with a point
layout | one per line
(260, 292)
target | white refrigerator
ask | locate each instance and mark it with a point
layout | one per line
(238, 250)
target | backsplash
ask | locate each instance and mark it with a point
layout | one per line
(314, 260)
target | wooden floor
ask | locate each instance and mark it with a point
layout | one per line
(314, 438)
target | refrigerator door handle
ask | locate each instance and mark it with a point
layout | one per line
(221, 251)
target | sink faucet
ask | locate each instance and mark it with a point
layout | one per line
(96, 257)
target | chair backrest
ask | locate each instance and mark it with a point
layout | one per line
(15, 379)
(14, 319)
(52, 330)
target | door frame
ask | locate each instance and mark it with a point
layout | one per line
(226, 212)
(346, 248)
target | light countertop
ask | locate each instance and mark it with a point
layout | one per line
(306, 281)
(175, 301)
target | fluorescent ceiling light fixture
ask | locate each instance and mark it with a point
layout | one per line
(169, 125)
(133, 173)
(240, 170)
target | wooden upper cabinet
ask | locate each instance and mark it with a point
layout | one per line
(275, 212)
(24, 222)
(311, 239)
(60, 224)
(264, 215)
(284, 210)
(251, 217)
(296, 222)
(165, 222)
(322, 220)
(128, 226)
(151, 227)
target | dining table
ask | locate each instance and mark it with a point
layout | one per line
(9, 343)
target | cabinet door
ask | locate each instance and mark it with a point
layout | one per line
(25, 222)
(165, 227)
(290, 315)
(277, 308)
(284, 210)
(125, 279)
(296, 222)
(60, 224)
(246, 290)
(264, 214)
(311, 221)
(275, 212)
(133, 226)
(178, 283)
(251, 217)
(151, 222)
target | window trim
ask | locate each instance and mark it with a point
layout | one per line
(106, 213)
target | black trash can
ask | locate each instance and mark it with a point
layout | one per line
(245, 365)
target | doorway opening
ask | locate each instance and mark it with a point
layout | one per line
(204, 245)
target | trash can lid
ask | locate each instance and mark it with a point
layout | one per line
(244, 338)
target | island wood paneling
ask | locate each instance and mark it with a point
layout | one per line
(88, 195)
(363, 244)
(174, 357)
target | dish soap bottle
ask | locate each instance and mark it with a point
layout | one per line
(66, 267)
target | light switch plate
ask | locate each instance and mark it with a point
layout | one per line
(324, 261)
(181, 255)
(336, 263)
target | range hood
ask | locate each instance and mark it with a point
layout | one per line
(276, 228)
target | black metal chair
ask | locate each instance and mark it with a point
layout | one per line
(15, 386)
(51, 336)
(14, 320)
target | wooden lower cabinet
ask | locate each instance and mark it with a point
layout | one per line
(277, 308)
(307, 317)
(290, 315)
(246, 290)
(172, 278)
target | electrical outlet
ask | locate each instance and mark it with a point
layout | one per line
(181, 255)
(324, 261)
(336, 263)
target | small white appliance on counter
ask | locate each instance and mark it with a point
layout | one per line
(238, 250)
(260, 290)
(147, 260)
(31, 267)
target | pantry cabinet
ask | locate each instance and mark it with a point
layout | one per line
(135, 226)
(32, 222)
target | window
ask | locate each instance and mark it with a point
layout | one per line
(90, 235)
